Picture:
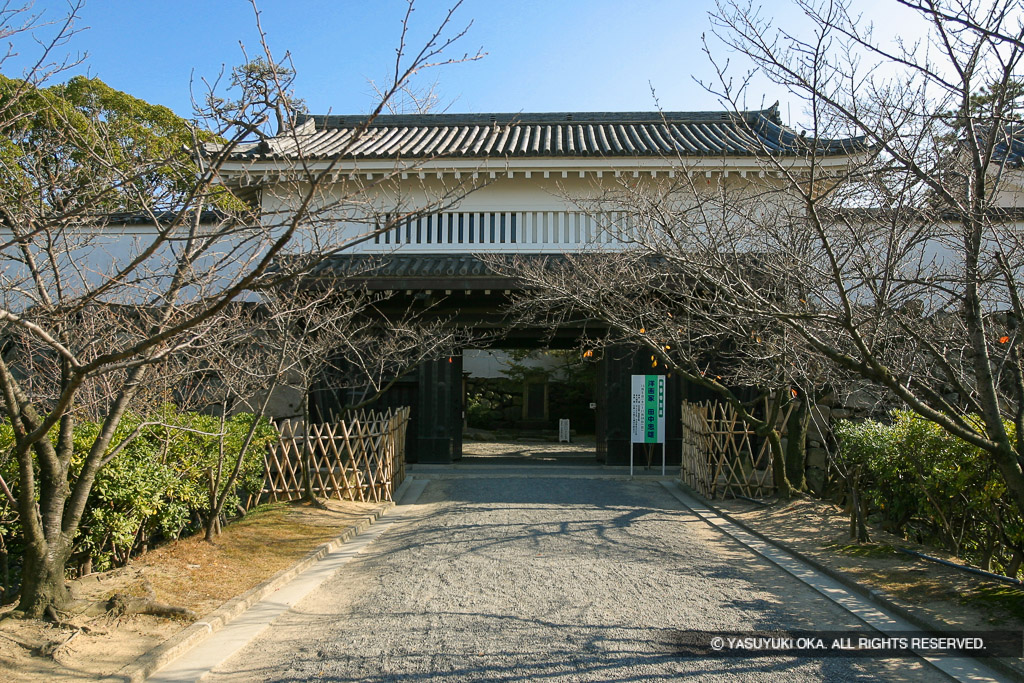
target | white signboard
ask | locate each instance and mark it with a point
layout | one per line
(563, 431)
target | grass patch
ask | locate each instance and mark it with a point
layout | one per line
(1000, 601)
(863, 549)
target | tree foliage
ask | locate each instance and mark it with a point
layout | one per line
(82, 148)
(263, 80)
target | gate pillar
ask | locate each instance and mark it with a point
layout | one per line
(439, 411)
(613, 406)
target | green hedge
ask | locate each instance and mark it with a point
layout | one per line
(157, 488)
(935, 488)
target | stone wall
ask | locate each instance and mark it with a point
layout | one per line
(821, 444)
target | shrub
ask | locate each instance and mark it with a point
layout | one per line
(478, 412)
(10, 527)
(157, 487)
(930, 485)
(193, 445)
(136, 496)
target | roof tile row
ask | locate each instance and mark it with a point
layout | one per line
(640, 134)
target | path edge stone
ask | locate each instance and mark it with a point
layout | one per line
(191, 636)
(877, 597)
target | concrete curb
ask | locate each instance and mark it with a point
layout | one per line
(185, 640)
(878, 598)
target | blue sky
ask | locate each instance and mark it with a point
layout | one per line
(542, 55)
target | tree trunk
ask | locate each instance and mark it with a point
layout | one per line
(212, 526)
(213, 512)
(783, 488)
(42, 578)
(1008, 462)
(991, 545)
(796, 446)
(1015, 562)
(858, 525)
(5, 577)
(307, 454)
(862, 522)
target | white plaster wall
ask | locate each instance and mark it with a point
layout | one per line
(85, 259)
(1009, 192)
(343, 200)
(285, 403)
(490, 363)
(552, 211)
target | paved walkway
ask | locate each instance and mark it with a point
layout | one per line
(580, 453)
(550, 578)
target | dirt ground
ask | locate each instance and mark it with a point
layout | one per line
(947, 596)
(942, 597)
(188, 573)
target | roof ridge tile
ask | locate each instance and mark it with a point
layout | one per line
(547, 135)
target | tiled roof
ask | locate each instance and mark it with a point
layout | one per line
(405, 266)
(206, 217)
(1009, 148)
(412, 271)
(636, 134)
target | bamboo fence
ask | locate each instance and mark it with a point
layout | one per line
(359, 458)
(722, 456)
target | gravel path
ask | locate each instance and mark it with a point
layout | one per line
(547, 578)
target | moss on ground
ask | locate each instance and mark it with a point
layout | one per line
(998, 600)
(864, 549)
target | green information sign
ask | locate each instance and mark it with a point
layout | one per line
(647, 418)
(648, 409)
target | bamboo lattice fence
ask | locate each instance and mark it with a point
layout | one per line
(359, 458)
(721, 455)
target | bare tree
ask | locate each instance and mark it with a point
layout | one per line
(745, 358)
(116, 256)
(329, 336)
(913, 262)
(881, 247)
